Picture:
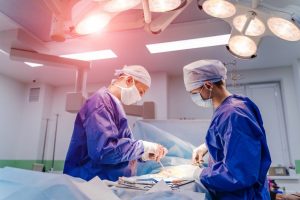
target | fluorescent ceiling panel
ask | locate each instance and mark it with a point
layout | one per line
(188, 44)
(4, 52)
(33, 64)
(92, 55)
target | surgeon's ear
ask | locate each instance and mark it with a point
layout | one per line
(129, 81)
(209, 85)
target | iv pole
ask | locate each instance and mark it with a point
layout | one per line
(54, 143)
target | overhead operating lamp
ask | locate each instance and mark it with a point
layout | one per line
(250, 23)
(92, 23)
(120, 5)
(220, 9)
(89, 17)
(93, 16)
(165, 5)
(284, 29)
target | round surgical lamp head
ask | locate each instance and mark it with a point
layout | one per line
(165, 5)
(219, 8)
(120, 5)
(92, 23)
(284, 29)
(248, 25)
(242, 47)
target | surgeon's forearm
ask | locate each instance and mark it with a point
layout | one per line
(124, 150)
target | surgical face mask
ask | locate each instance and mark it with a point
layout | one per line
(199, 101)
(129, 95)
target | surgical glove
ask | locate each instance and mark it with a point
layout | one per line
(198, 154)
(153, 151)
(197, 173)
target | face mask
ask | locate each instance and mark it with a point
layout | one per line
(199, 101)
(129, 95)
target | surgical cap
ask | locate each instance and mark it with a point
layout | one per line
(138, 72)
(196, 73)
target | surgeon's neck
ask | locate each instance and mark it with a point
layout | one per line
(114, 91)
(219, 95)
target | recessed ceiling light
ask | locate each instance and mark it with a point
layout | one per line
(33, 64)
(92, 55)
(188, 44)
(4, 52)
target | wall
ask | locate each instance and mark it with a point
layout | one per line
(65, 122)
(158, 94)
(296, 72)
(30, 128)
(11, 107)
(181, 106)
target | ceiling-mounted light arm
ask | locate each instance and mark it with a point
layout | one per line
(55, 61)
(61, 12)
(45, 59)
(147, 12)
(57, 31)
(250, 16)
(74, 100)
(255, 3)
(164, 20)
(81, 79)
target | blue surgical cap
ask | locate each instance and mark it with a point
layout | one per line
(196, 73)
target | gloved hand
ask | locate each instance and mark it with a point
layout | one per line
(199, 153)
(153, 151)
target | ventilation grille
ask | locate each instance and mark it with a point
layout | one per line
(34, 94)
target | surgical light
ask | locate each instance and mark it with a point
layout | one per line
(284, 29)
(249, 24)
(92, 23)
(164, 5)
(219, 8)
(120, 5)
(242, 46)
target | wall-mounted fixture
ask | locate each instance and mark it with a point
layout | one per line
(250, 23)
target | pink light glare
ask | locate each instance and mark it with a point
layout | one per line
(92, 23)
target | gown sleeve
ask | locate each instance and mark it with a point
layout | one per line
(106, 144)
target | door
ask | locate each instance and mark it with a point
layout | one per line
(268, 99)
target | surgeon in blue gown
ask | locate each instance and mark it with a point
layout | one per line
(239, 157)
(102, 143)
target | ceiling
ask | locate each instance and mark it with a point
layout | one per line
(129, 45)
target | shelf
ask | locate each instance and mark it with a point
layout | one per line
(293, 177)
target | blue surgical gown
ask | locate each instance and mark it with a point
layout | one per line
(102, 143)
(239, 155)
